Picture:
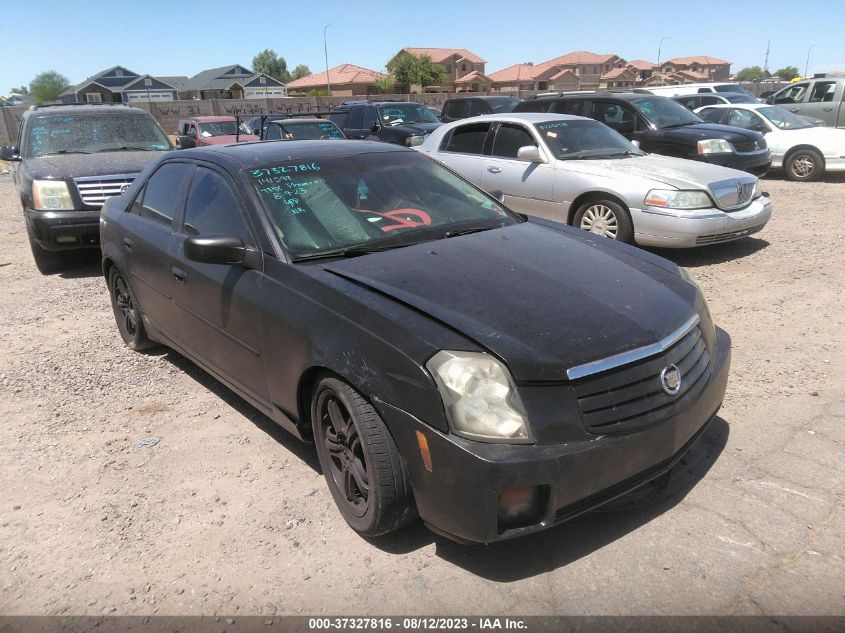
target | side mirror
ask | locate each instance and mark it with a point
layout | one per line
(760, 128)
(625, 127)
(498, 194)
(635, 143)
(185, 142)
(9, 152)
(215, 249)
(375, 127)
(529, 153)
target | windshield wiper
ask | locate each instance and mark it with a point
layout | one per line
(66, 151)
(352, 251)
(666, 127)
(467, 231)
(127, 148)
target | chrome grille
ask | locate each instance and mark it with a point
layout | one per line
(95, 190)
(734, 193)
(746, 146)
(632, 397)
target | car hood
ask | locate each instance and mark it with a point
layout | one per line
(98, 164)
(822, 137)
(703, 131)
(542, 297)
(418, 128)
(227, 139)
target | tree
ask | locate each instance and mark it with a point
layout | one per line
(751, 73)
(787, 74)
(300, 71)
(386, 84)
(419, 71)
(269, 63)
(48, 86)
(23, 90)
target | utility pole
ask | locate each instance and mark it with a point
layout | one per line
(326, 52)
(659, 48)
(766, 63)
(807, 65)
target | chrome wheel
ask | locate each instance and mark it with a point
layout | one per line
(601, 220)
(803, 165)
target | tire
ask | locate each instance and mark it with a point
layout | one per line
(127, 312)
(804, 165)
(47, 262)
(360, 461)
(605, 218)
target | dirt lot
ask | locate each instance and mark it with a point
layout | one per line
(228, 515)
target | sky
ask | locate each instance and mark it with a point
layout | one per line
(184, 37)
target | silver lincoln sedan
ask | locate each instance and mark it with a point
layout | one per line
(575, 170)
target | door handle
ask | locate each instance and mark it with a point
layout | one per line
(494, 170)
(128, 244)
(827, 109)
(794, 109)
(179, 275)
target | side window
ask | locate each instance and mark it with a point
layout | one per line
(476, 108)
(701, 90)
(575, 108)
(370, 117)
(509, 138)
(454, 109)
(822, 92)
(793, 94)
(339, 118)
(713, 115)
(743, 118)
(138, 202)
(467, 139)
(690, 103)
(534, 105)
(213, 208)
(355, 116)
(614, 115)
(272, 133)
(703, 101)
(162, 192)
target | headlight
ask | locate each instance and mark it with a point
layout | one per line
(673, 199)
(687, 276)
(715, 146)
(480, 397)
(51, 195)
(757, 190)
(412, 141)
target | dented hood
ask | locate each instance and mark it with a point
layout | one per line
(541, 297)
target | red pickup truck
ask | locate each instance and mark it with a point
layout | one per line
(199, 131)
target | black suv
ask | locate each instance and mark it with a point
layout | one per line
(662, 126)
(399, 122)
(71, 158)
(463, 107)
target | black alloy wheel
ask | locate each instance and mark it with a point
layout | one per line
(127, 314)
(360, 460)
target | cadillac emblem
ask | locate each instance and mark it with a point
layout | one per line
(670, 378)
(123, 188)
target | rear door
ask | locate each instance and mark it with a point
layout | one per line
(354, 127)
(219, 304)
(527, 187)
(454, 109)
(462, 150)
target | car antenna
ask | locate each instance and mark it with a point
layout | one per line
(237, 128)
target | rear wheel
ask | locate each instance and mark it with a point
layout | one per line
(606, 218)
(804, 165)
(360, 460)
(127, 313)
(47, 262)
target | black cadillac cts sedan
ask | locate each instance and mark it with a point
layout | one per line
(493, 374)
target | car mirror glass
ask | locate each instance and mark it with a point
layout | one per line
(216, 249)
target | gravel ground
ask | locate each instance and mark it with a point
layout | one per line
(136, 484)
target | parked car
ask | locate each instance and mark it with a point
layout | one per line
(202, 131)
(448, 357)
(699, 88)
(399, 122)
(694, 102)
(463, 107)
(820, 97)
(661, 126)
(301, 128)
(802, 151)
(69, 160)
(579, 172)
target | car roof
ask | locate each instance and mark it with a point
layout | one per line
(592, 94)
(207, 119)
(263, 152)
(482, 97)
(519, 117)
(110, 108)
(745, 106)
(295, 120)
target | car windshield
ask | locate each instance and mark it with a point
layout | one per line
(664, 112)
(91, 133)
(581, 139)
(310, 130)
(397, 113)
(740, 98)
(783, 119)
(344, 205)
(500, 105)
(222, 128)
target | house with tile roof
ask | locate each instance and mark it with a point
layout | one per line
(695, 69)
(232, 82)
(465, 70)
(118, 84)
(346, 80)
(642, 68)
(578, 70)
(618, 78)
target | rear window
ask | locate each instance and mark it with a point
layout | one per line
(534, 105)
(466, 139)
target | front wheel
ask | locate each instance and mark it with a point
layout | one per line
(360, 461)
(804, 165)
(127, 313)
(605, 218)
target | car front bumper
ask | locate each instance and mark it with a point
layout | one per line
(64, 230)
(757, 163)
(657, 227)
(460, 496)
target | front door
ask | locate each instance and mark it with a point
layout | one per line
(527, 187)
(218, 304)
(824, 101)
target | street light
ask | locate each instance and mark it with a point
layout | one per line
(659, 48)
(807, 65)
(326, 51)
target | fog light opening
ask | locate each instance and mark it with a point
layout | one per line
(522, 507)
(66, 239)
(422, 441)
